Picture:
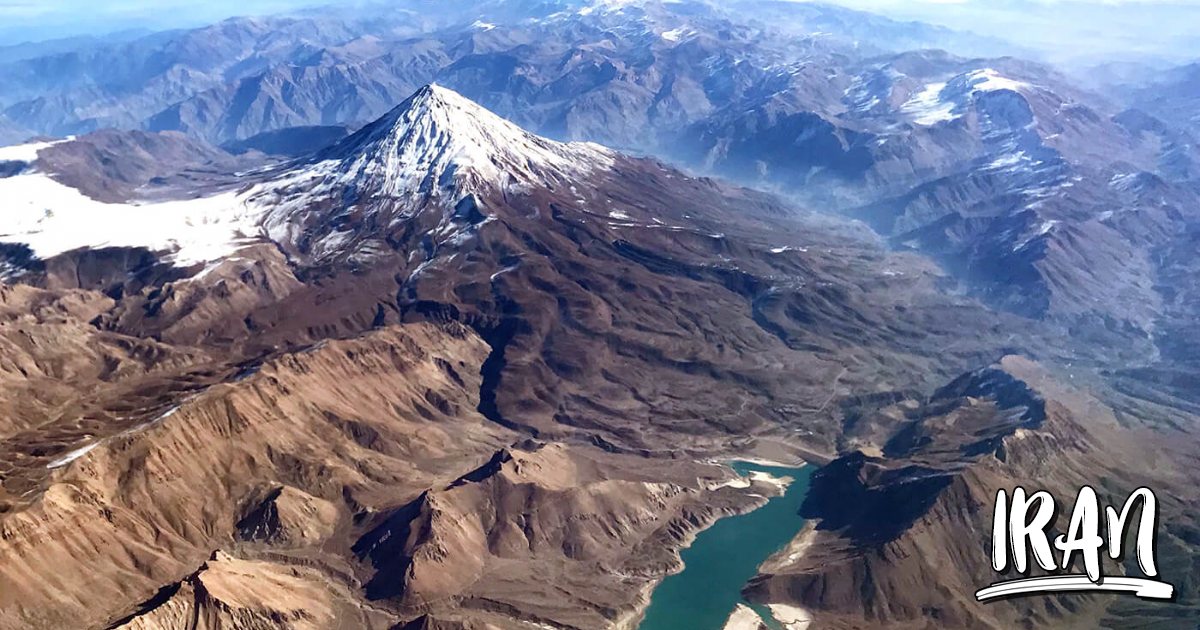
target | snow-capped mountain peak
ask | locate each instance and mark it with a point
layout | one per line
(946, 100)
(438, 142)
(431, 152)
(429, 159)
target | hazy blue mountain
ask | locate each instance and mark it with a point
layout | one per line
(1013, 177)
(1173, 95)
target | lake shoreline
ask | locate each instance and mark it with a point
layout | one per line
(724, 556)
(633, 619)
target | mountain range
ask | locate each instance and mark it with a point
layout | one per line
(952, 156)
(449, 319)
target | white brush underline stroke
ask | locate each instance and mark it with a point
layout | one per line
(1143, 588)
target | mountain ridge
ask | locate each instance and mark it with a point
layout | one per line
(443, 350)
(437, 139)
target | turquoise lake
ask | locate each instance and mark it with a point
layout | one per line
(725, 556)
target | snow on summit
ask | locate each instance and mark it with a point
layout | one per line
(441, 142)
(989, 80)
(943, 101)
(436, 145)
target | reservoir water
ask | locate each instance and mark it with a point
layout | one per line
(725, 556)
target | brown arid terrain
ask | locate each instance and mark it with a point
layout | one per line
(466, 377)
(276, 479)
(902, 529)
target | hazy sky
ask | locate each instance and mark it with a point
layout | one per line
(1064, 29)
(83, 10)
(25, 20)
(1067, 31)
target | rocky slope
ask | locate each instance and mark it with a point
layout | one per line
(442, 210)
(544, 529)
(298, 479)
(917, 509)
(1019, 184)
(230, 593)
(335, 401)
(1004, 171)
(413, 374)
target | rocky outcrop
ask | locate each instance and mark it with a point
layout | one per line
(232, 594)
(115, 166)
(535, 528)
(903, 540)
(146, 504)
(289, 517)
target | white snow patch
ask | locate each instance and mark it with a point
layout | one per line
(868, 105)
(605, 6)
(72, 456)
(1043, 229)
(988, 80)
(1123, 181)
(927, 107)
(935, 103)
(860, 95)
(52, 218)
(677, 34)
(27, 152)
(1007, 160)
(483, 26)
(80, 452)
(502, 272)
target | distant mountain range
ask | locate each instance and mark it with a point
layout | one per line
(990, 165)
(246, 76)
